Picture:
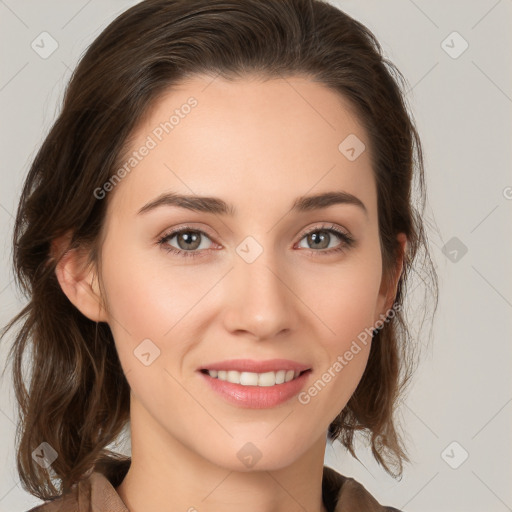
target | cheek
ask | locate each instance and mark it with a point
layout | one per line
(344, 338)
(344, 298)
(148, 298)
(147, 304)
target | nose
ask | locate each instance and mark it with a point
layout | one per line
(261, 302)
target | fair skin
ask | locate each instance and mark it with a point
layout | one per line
(258, 146)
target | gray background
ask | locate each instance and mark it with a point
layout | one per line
(462, 392)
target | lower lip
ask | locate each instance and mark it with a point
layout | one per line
(257, 397)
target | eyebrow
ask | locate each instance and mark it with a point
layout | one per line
(217, 206)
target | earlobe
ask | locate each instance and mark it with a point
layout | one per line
(78, 281)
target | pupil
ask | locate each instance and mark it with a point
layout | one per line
(319, 238)
(189, 238)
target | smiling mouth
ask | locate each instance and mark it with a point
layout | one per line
(263, 379)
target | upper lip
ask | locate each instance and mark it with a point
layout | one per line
(250, 365)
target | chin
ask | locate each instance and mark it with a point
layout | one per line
(261, 454)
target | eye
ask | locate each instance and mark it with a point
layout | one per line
(188, 239)
(320, 238)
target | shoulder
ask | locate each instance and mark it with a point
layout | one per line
(66, 503)
(95, 492)
(343, 494)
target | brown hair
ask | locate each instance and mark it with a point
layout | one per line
(78, 397)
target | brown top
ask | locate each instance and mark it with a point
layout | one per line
(96, 493)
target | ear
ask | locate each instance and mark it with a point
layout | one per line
(388, 287)
(77, 280)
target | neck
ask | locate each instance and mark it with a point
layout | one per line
(166, 475)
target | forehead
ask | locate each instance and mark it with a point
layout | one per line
(263, 140)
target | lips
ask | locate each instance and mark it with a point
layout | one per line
(256, 397)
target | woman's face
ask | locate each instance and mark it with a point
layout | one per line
(261, 279)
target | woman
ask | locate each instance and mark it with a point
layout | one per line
(215, 238)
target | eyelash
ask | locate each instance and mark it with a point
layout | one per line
(347, 241)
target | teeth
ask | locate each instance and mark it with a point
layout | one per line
(254, 379)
